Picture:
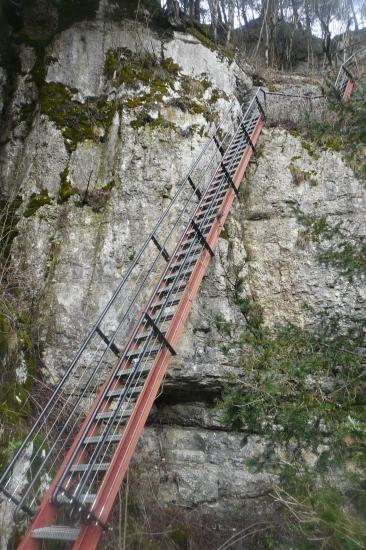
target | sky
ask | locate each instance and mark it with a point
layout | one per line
(336, 27)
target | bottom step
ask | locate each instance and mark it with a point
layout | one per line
(55, 532)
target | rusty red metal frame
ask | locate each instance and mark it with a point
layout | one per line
(91, 533)
(348, 90)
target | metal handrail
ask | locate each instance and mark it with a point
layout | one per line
(81, 485)
(344, 68)
(107, 308)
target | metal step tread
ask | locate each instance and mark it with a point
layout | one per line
(126, 413)
(203, 227)
(194, 249)
(187, 261)
(102, 467)
(183, 274)
(94, 439)
(82, 499)
(208, 197)
(132, 370)
(172, 300)
(56, 532)
(213, 201)
(175, 285)
(117, 392)
(141, 351)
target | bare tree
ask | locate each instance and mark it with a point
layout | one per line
(173, 13)
(213, 5)
(230, 17)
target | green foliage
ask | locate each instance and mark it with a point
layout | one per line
(109, 186)
(320, 512)
(66, 189)
(222, 325)
(334, 246)
(252, 312)
(342, 127)
(180, 537)
(77, 121)
(347, 258)
(36, 201)
(315, 227)
(9, 219)
(15, 347)
(304, 390)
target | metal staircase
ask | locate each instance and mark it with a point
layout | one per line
(80, 447)
(345, 79)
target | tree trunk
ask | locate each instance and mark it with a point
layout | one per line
(327, 41)
(214, 4)
(223, 11)
(295, 14)
(173, 13)
(230, 16)
(308, 30)
(352, 7)
(197, 10)
(243, 11)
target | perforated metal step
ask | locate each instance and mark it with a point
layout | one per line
(56, 532)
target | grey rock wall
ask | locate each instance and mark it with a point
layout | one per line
(280, 265)
(70, 258)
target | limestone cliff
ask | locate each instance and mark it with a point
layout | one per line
(100, 125)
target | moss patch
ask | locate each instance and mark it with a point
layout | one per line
(66, 189)
(27, 113)
(76, 120)
(36, 201)
(307, 146)
(164, 78)
(145, 119)
(135, 69)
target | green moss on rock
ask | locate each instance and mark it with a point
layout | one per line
(36, 201)
(66, 189)
(308, 147)
(133, 69)
(76, 120)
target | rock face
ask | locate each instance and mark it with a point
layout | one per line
(71, 257)
(79, 254)
(270, 245)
